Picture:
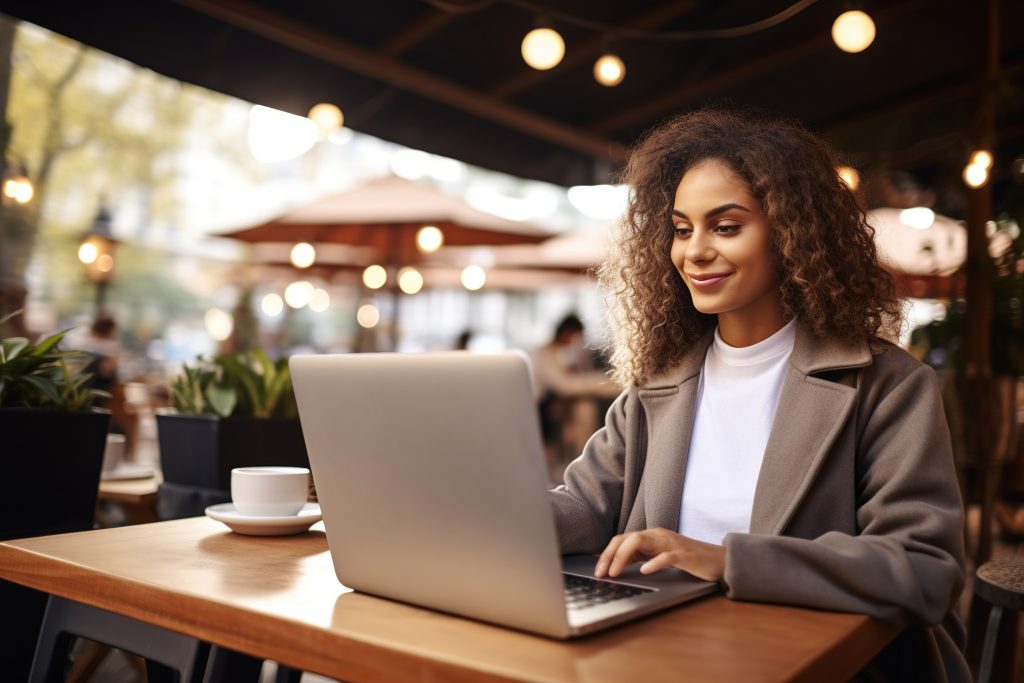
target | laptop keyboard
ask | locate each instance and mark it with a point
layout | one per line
(582, 591)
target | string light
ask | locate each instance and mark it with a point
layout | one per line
(303, 255)
(272, 305)
(375, 277)
(327, 117)
(983, 158)
(975, 175)
(853, 31)
(473, 278)
(609, 70)
(409, 280)
(297, 294)
(367, 316)
(850, 176)
(543, 48)
(429, 239)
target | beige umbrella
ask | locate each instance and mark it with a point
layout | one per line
(385, 215)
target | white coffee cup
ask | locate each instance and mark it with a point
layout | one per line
(113, 453)
(269, 491)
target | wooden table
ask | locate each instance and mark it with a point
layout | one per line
(278, 598)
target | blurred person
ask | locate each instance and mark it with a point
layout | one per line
(104, 351)
(769, 439)
(568, 389)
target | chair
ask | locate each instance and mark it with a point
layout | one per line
(64, 620)
(1001, 584)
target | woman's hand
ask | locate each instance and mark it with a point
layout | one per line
(660, 548)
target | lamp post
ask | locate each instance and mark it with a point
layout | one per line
(96, 252)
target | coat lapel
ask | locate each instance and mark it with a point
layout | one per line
(670, 403)
(810, 415)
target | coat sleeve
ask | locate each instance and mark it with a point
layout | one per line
(587, 506)
(905, 565)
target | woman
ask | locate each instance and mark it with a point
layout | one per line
(769, 440)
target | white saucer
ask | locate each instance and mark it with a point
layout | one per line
(265, 526)
(127, 470)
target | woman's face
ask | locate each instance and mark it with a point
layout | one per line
(721, 250)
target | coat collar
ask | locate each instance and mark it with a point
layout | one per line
(811, 355)
(809, 418)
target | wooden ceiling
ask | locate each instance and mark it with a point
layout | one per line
(446, 76)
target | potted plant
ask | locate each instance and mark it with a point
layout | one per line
(236, 410)
(53, 441)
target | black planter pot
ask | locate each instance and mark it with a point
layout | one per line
(200, 450)
(53, 461)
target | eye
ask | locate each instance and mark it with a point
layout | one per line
(727, 228)
(681, 231)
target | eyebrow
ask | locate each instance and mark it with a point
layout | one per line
(715, 211)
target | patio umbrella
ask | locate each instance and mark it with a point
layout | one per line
(385, 215)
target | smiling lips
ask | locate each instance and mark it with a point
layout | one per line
(707, 280)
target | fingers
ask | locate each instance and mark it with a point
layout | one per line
(625, 549)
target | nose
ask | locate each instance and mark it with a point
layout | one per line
(699, 248)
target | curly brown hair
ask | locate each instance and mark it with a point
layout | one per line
(830, 277)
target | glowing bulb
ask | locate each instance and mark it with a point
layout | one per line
(327, 118)
(303, 255)
(219, 324)
(297, 294)
(849, 175)
(918, 217)
(975, 176)
(853, 31)
(429, 239)
(104, 263)
(409, 280)
(319, 301)
(375, 276)
(11, 188)
(88, 253)
(23, 193)
(272, 305)
(367, 316)
(473, 278)
(543, 48)
(609, 70)
(983, 158)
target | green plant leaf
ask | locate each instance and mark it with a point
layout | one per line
(44, 346)
(221, 399)
(47, 388)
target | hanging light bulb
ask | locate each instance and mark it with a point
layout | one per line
(368, 316)
(609, 69)
(849, 175)
(327, 117)
(410, 280)
(473, 278)
(429, 239)
(375, 277)
(853, 31)
(543, 48)
(975, 175)
(303, 255)
(272, 305)
(981, 157)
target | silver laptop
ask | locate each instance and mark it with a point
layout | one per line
(431, 478)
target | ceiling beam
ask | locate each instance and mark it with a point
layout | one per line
(591, 47)
(650, 111)
(415, 32)
(322, 45)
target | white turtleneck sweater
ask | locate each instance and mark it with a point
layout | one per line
(736, 400)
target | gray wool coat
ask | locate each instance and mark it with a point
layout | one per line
(856, 509)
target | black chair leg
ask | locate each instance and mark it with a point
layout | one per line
(287, 675)
(228, 666)
(65, 619)
(988, 648)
